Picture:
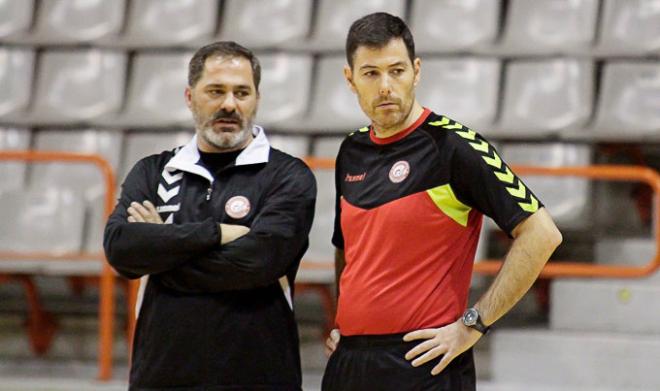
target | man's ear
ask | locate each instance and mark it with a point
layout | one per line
(188, 96)
(348, 75)
(417, 67)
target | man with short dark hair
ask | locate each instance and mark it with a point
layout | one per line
(216, 229)
(412, 189)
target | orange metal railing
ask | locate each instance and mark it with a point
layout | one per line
(600, 172)
(573, 269)
(107, 278)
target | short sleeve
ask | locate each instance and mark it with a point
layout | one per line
(482, 180)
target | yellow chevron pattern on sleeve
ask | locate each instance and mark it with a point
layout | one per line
(467, 134)
(519, 192)
(488, 154)
(532, 206)
(494, 161)
(506, 177)
(444, 121)
(481, 146)
(361, 130)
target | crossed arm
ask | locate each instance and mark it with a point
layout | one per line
(146, 213)
(535, 239)
(204, 256)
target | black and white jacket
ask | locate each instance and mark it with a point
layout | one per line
(215, 317)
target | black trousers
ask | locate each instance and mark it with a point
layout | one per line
(377, 363)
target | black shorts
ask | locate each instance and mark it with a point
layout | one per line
(378, 363)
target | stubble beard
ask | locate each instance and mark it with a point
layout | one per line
(221, 140)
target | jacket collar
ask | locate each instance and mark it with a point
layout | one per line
(186, 158)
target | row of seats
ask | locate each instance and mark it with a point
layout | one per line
(548, 26)
(539, 97)
(50, 196)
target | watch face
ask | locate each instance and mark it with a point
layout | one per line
(470, 317)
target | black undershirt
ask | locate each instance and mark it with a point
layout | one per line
(217, 161)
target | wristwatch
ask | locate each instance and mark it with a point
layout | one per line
(472, 319)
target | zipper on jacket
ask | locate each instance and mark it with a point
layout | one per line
(208, 193)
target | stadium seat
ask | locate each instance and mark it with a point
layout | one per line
(168, 23)
(293, 145)
(155, 92)
(629, 102)
(85, 179)
(75, 86)
(451, 25)
(16, 73)
(74, 21)
(15, 17)
(140, 145)
(321, 249)
(285, 88)
(630, 27)
(568, 199)
(12, 173)
(634, 206)
(550, 26)
(327, 147)
(545, 97)
(630, 251)
(335, 108)
(465, 89)
(41, 220)
(283, 20)
(334, 18)
(317, 270)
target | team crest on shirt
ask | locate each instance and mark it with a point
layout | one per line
(399, 171)
(237, 207)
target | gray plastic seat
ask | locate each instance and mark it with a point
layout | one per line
(335, 107)
(72, 21)
(629, 102)
(293, 145)
(12, 173)
(41, 220)
(16, 74)
(282, 20)
(15, 17)
(320, 255)
(568, 199)
(550, 26)
(155, 92)
(629, 27)
(450, 25)
(285, 88)
(140, 145)
(632, 251)
(334, 18)
(465, 89)
(168, 23)
(321, 248)
(83, 178)
(543, 97)
(327, 147)
(78, 86)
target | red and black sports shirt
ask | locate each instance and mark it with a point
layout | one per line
(408, 216)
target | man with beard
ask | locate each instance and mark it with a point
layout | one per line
(412, 190)
(216, 229)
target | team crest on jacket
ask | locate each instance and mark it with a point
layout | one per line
(399, 171)
(237, 207)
